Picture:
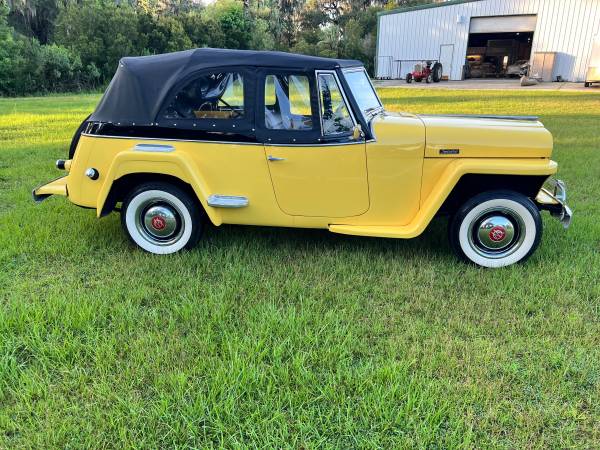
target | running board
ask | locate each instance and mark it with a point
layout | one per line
(398, 232)
(227, 201)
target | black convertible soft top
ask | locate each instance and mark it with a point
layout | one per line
(140, 85)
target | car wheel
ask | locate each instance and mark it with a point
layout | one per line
(429, 79)
(437, 72)
(587, 84)
(496, 229)
(161, 218)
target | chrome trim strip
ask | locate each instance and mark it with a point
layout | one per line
(227, 201)
(316, 144)
(353, 69)
(139, 138)
(485, 116)
(154, 148)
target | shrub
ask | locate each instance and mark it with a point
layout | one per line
(26, 67)
(100, 34)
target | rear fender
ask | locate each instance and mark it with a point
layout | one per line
(172, 164)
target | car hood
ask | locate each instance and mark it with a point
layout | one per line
(486, 137)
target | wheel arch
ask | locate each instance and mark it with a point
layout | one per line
(471, 184)
(123, 185)
(126, 172)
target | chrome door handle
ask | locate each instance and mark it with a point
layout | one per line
(275, 158)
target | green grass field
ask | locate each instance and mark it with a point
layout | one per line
(295, 338)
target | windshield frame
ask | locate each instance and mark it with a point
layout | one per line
(369, 113)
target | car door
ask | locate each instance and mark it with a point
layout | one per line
(316, 166)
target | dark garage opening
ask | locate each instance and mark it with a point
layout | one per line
(496, 55)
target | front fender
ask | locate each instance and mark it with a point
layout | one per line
(174, 164)
(447, 180)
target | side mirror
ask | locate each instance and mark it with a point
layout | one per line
(357, 133)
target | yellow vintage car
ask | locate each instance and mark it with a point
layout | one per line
(278, 139)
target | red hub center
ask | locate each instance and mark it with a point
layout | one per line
(158, 223)
(497, 233)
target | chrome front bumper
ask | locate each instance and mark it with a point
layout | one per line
(553, 198)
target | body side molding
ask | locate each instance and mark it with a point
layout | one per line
(227, 201)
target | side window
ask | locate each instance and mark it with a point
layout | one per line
(287, 102)
(334, 111)
(218, 95)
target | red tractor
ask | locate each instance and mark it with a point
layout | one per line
(430, 72)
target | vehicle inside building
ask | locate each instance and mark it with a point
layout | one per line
(498, 54)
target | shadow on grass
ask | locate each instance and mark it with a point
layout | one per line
(267, 240)
(432, 240)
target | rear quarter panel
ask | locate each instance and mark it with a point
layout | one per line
(210, 168)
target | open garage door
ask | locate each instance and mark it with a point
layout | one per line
(499, 46)
(503, 24)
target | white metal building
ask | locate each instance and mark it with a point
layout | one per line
(483, 37)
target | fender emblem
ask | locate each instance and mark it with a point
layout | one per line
(449, 151)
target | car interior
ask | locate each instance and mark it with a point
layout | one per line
(287, 102)
(212, 96)
(220, 95)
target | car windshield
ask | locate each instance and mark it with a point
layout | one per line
(362, 89)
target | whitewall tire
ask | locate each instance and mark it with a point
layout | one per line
(496, 229)
(161, 218)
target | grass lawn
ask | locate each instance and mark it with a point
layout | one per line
(295, 338)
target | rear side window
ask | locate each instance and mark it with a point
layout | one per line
(287, 102)
(218, 95)
(334, 111)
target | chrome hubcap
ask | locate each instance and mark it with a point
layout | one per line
(159, 222)
(496, 233)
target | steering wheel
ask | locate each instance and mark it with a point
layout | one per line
(206, 106)
(234, 113)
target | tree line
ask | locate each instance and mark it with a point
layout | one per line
(71, 45)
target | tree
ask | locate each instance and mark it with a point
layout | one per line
(67, 44)
(101, 34)
(234, 23)
(359, 35)
(35, 18)
(27, 67)
(203, 29)
(289, 17)
(163, 33)
(312, 20)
